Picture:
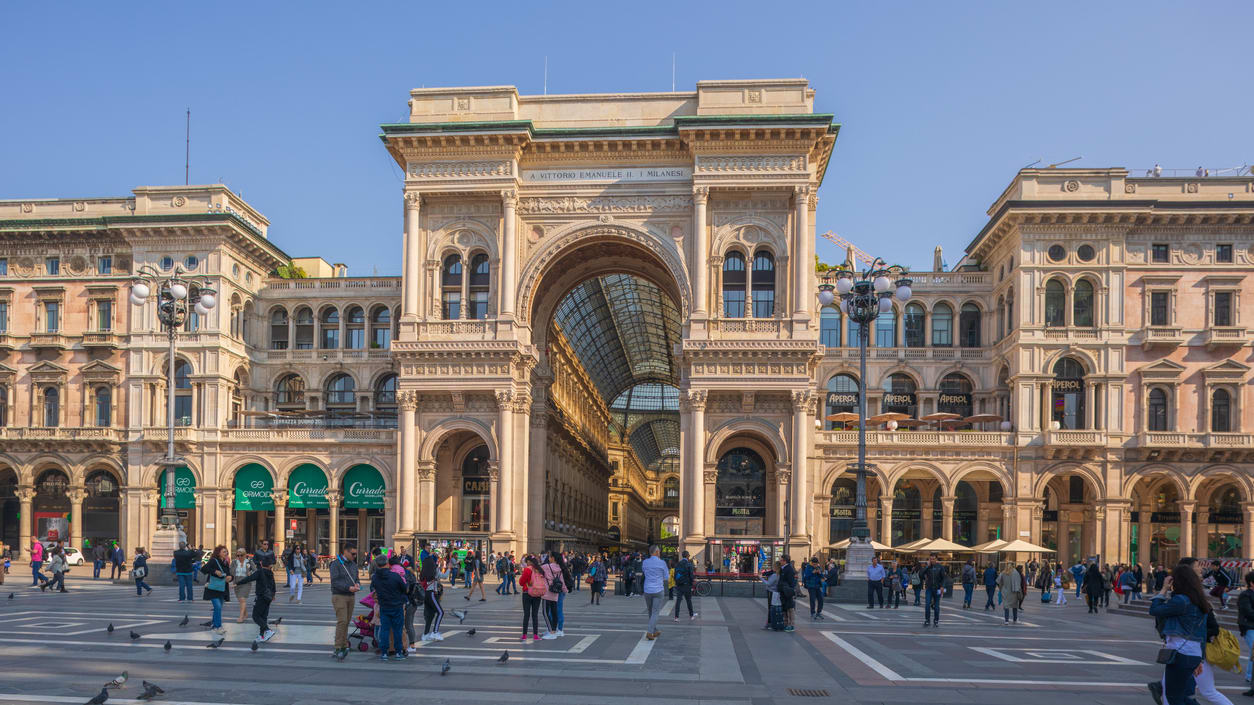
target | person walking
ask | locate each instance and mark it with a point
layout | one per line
(933, 577)
(684, 574)
(264, 554)
(533, 588)
(502, 572)
(294, 559)
(58, 567)
(36, 562)
(874, 584)
(1222, 582)
(311, 566)
(554, 573)
(598, 572)
(98, 554)
(117, 559)
(1058, 586)
(345, 584)
(217, 571)
(968, 584)
(139, 571)
(990, 587)
(1245, 622)
(389, 594)
(1011, 584)
(184, 558)
(896, 588)
(474, 560)
(242, 567)
(812, 580)
(1094, 586)
(431, 579)
(1077, 576)
(1127, 585)
(578, 564)
(916, 582)
(267, 590)
(1184, 618)
(654, 572)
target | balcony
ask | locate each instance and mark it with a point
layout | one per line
(90, 435)
(751, 327)
(1172, 446)
(910, 354)
(1073, 444)
(48, 341)
(1220, 336)
(1072, 333)
(1160, 335)
(7, 342)
(101, 339)
(304, 435)
(983, 439)
(337, 355)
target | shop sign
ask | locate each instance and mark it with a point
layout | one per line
(615, 533)
(1049, 515)
(843, 512)
(1226, 518)
(184, 488)
(363, 488)
(253, 486)
(307, 488)
(1068, 385)
(1165, 518)
(740, 511)
(609, 175)
(476, 486)
(908, 514)
(898, 400)
(953, 401)
(842, 398)
(967, 515)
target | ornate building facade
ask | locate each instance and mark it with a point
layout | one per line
(607, 333)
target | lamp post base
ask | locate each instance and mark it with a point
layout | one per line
(165, 540)
(853, 584)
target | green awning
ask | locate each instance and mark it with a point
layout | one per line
(253, 486)
(363, 488)
(307, 488)
(184, 488)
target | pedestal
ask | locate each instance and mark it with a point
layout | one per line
(165, 540)
(853, 585)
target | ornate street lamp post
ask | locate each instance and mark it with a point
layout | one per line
(863, 297)
(176, 296)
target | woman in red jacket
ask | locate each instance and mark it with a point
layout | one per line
(533, 588)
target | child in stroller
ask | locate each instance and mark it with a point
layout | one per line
(364, 627)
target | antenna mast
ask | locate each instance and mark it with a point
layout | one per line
(187, 154)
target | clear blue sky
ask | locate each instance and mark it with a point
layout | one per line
(940, 102)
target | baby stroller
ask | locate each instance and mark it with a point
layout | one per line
(363, 627)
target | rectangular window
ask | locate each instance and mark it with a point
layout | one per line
(914, 328)
(942, 331)
(1161, 253)
(613, 510)
(52, 265)
(183, 410)
(734, 304)
(1158, 307)
(356, 338)
(52, 317)
(1223, 308)
(4, 266)
(104, 315)
(330, 338)
(382, 338)
(763, 303)
(4, 319)
(104, 265)
(1223, 254)
(478, 305)
(452, 306)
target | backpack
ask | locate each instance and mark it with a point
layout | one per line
(683, 573)
(536, 588)
(556, 583)
(414, 590)
(1224, 652)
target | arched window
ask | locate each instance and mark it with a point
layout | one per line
(1067, 408)
(451, 286)
(1220, 411)
(480, 278)
(842, 397)
(278, 329)
(4, 406)
(907, 520)
(182, 393)
(341, 391)
(842, 509)
(899, 395)
(942, 326)
(829, 327)
(955, 395)
(966, 510)
(670, 492)
(476, 490)
(1082, 304)
(1001, 317)
(237, 396)
(915, 325)
(734, 285)
(244, 319)
(763, 284)
(304, 328)
(1156, 415)
(237, 314)
(290, 391)
(1003, 394)
(52, 407)
(1010, 311)
(1055, 304)
(191, 323)
(104, 407)
(381, 328)
(969, 326)
(355, 329)
(886, 329)
(385, 393)
(740, 494)
(329, 329)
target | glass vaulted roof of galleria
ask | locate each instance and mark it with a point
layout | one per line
(623, 330)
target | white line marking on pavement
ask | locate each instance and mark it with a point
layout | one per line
(640, 653)
(885, 671)
(942, 635)
(582, 646)
(1059, 656)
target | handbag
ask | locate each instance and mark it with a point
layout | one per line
(216, 583)
(1165, 656)
(139, 572)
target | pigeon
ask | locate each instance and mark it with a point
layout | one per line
(504, 657)
(109, 628)
(254, 647)
(207, 624)
(118, 682)
(102, 696)
(151, 690)
(10, 596)
(277, 622)
(215, 644)
(446, 667)
(470, 633)
(460, 615)
(168, 645)
(183, 623)
(134, 635)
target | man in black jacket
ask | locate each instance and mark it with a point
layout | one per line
(344, 587)
(390, 595)
(1245, 622)
(933, 577)
(684, 573)
(184, 558)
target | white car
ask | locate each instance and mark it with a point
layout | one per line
(73, 556)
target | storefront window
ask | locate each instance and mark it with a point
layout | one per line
(907, 522)
(842, 397)
(740, 494)
(476, 490)
(1068, 394)
(841, 509)
(899, 396)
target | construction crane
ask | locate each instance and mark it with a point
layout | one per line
(851, 250)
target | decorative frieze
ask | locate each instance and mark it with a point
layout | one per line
(751, 164)
(607, 204)
(460, 170)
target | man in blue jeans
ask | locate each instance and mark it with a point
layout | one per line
(389, 594)
(933, 579)
(184, 568)
(1245, 621)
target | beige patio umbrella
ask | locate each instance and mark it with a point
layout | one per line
(843, 544)
(908, 547)
(939, 546)
(991, 547)
(910, 423)
(983, 418)
(886, 417)
(1021, 546)
(842, 417)
(941, 416)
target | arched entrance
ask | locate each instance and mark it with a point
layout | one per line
(253, 506)
(476, 489)
(1224, 521)
(184, 501)
(907, 522)
(10, 509)
(1068, 523)
(362, 517)
(101, 509)
(51, 520)
(308, 512)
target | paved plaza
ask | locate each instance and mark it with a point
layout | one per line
(55, 649)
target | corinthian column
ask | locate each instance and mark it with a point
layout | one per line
(803, 249)
(406, 486)
(700, 251)
(426, 496)
(802, 417)
(509, 257)
(280, 520)
(76, 496)
(692, 404)
(410, 285)
(26, 498)
(505, 449)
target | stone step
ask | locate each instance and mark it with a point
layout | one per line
(1140, 608)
